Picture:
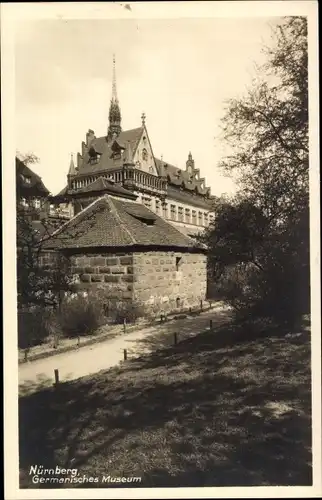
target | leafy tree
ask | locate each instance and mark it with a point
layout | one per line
(41, 276)
(259, 246)
(267, 130)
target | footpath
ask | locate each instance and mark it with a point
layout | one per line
(101, 356)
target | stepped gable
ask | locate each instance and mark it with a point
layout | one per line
(180, 178)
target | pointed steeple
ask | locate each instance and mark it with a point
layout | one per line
(190, 163)
(72, 169)
(114, 91)
(114, 128)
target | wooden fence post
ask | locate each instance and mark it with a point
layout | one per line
(175, 338)
(125, 354)
(26, 355)
(210, 324)
(56, 377)
(124, 325)
(201, 305)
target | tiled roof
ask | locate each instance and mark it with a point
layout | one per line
(35, 185)
(62, 193)
(103, 148)
(102, 184)
(98, 186)
(178, 177)
(109, 222)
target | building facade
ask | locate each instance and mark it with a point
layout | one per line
(125, 158)
(32, 196)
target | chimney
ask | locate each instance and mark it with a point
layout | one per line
(79, 160)
(89, 137)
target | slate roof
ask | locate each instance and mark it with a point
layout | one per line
(103, 148)
(182, 180)
(35, 186)
(109, 222)
(98, 186)
(194, 199)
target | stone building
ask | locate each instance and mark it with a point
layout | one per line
(126, 158)
(121, 246)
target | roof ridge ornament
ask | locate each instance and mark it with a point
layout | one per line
(143, 117)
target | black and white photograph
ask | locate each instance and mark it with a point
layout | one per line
(161, 222)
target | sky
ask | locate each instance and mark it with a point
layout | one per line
(179, 71)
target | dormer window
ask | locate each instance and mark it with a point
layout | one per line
(26, 179)
(93, 155)
(145, 217)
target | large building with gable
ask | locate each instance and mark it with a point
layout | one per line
(121, 163)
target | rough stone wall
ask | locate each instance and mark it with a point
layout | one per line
(169, 280)
(160, 279)
(113, 272)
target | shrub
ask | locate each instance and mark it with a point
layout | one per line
(81, 315)
(118, 311)
(35, 325)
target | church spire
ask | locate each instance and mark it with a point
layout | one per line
(114, 128)
(114, 91)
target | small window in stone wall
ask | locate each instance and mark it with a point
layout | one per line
(178, 302)
(178, 262)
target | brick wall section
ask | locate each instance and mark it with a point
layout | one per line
(113, 272)
(158, 282)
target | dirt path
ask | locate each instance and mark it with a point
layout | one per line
(104, 355)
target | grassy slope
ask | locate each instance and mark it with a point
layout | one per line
(217, 410)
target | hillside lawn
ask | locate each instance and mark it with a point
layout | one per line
(230, 407)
